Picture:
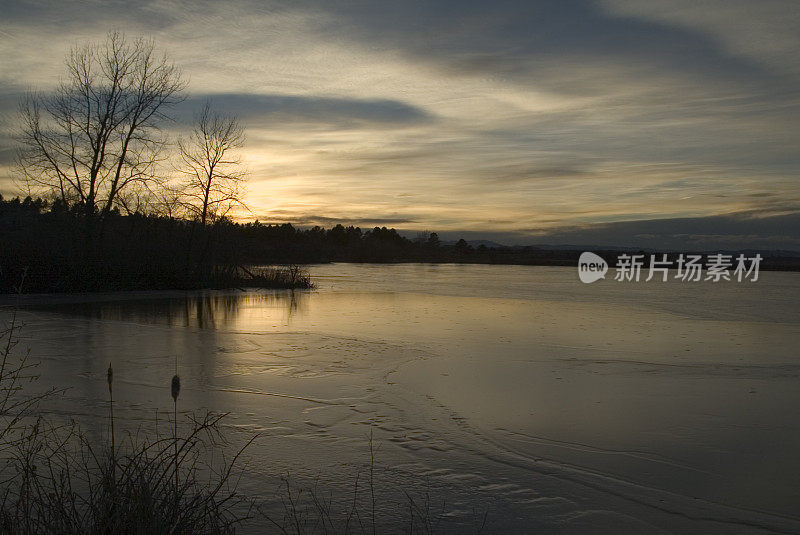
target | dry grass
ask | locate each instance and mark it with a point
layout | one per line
(62, 484)
(279, 277)
(54, 479)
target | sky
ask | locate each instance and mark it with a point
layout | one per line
(658, 124)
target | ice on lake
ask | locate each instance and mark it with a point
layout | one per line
(556, 406)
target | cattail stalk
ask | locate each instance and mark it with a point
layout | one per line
(176, 390)
(110, 378)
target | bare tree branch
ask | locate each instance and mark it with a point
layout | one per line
(213, 175)
(98, 133)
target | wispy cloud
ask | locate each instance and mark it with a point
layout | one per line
(470, 116)
(279, 111)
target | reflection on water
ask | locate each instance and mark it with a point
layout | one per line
(202, 309)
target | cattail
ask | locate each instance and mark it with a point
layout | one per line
(110, 379)
(176, 387)
(176, 390)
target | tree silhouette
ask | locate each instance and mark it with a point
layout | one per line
(213, 174)
(98, 136)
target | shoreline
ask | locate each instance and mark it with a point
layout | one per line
(67, 297)
(63, 298)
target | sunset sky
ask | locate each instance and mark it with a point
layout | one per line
(623, 122)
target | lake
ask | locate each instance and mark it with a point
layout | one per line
(511, 391)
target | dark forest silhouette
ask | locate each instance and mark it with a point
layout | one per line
(46, 242)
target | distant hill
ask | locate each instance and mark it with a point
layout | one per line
(750, 252)
(486, 243)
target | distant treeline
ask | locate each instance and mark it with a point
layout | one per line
(55, 247)
(58, 249)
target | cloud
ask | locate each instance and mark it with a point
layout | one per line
(300, 219)
(737, 26)
(9, 99)
(738, 230)
(278, 111)
(521, 40)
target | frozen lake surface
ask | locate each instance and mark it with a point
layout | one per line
(556, 407)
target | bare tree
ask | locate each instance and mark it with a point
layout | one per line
(139, 199)
(98, 134)
(168, 202)
(214, 175)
